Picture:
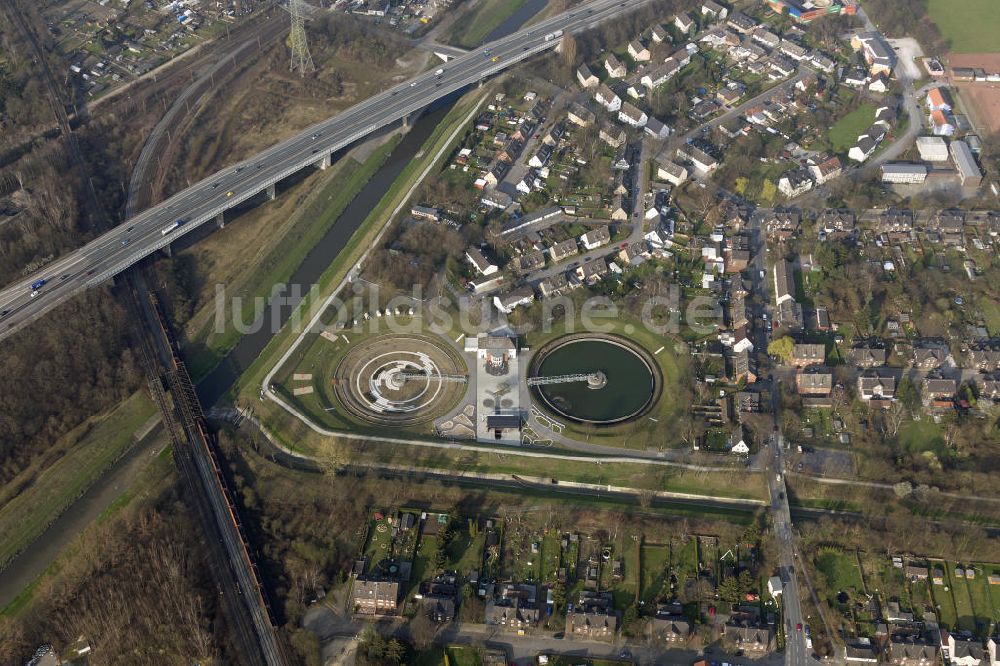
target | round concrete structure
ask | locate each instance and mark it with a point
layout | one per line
(624, 383)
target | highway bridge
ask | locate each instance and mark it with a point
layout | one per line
(157, 227)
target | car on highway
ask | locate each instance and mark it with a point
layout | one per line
(38, 284)
(130, 229)
(126, 241)
(413, 84)
(229, 193)
(798, 627)
(494, 59)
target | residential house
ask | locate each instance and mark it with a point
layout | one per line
(497, 199)
(659, 34)
(607, 98)
(868, 354)
(912, 651)
(633, 254)
(553, 285)
(656, 129)
(511, 300)
(876, 52)
(655, 77)
(592, 271)
(826, 170)
(963, 651)
(984, 355)
(529, 262)
(874, 386)
(860, 652)
(615, 67)
(480, 262)
(793, 50)
(814, 383)
(795, 183)
(514, 609)
(593, 617)
(563, 250)
(633, 116)
(714, 10)
(596, 238)
(941, 123)
(863, 149)
(612, 135)
(741, 23)
(806, 354)
(684, 23)
(670, 627)
(837, 222)
(929, 354)
(778, 224)
(740, 366)
(671, 172)
(580, 115)
(638, 51)
(586, 77)
(938, 99)
(753, 637)
(765, 37)
(938, 391)
(702, 161)
(784, 282)
(374, 596)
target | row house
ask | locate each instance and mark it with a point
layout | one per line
(984, 355)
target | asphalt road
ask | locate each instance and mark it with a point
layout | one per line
(162, 224)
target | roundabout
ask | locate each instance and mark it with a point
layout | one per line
(399, 380)
(595, 379)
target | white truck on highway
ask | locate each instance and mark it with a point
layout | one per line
(553, 35)
(176, 223)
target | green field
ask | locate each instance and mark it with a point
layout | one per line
(472, 27)
(919, 436)
(280, 263)
(91, 448)
(839, 571)
(845, 131)
(969, 26)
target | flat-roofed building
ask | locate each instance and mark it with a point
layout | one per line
(901, 173)
(965, 162)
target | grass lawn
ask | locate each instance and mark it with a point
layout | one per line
(845, 131)
(281, 262)
(471, 28)
(969, 26)
(923, 435)
(979, 592)
(991, 313)
(966, 617)
(839, 571)
(655, 577)
(945, 601)
(90, 449)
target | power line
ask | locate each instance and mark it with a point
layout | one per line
(301, 59)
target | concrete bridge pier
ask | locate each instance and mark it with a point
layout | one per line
(324, 162)
(167, 251)
(271, 192)
(220, 220)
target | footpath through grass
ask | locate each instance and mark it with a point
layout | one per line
(95, 446)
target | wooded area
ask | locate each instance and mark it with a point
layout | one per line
(60, 372)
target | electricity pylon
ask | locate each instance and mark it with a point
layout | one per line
(301, 60)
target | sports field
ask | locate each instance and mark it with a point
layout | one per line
(969, 26)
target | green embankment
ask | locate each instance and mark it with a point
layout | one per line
(90, 449)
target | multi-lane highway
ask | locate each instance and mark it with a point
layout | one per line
(206, 200)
